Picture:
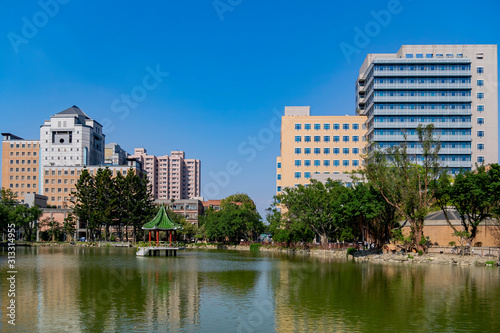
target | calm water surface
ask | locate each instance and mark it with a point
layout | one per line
(112, 290)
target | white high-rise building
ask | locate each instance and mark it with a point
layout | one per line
(454, 87)
(71, 138)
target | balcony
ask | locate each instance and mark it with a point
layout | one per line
(422, 112)
(413, 125)
(427, 86)
(454, 151)
(421, 99)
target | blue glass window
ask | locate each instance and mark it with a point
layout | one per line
(307, 175)
(480, 134)
(480, 70)
(355, 150)
(355, 138)
(355, 162)
(419, 55)
(307, 162)
(480, 159)
(298, 163)
(326, 151)
(307, 151)
(428, 55)
(279, 189)
(326, 126)
(345, 162)
(317, 162)
(298, 126)
(278, 176)
(480, 121)
(307, 126)
(336, 150)
(480, 95)
(336, 138)
(298, 138)
(480, 83)
(336, 162)
(345, 138)
(279, 165)
(298, 175)
(317, 126)
(317, 138)
(480, 146)
(336, 126)
(480, 108)
(355, 126)
(317, 151)
(409, 55)
(345, 126)
(298, 150)
(307, 138)
(345, 150)
(326, 138)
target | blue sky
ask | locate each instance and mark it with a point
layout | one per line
(232, 66)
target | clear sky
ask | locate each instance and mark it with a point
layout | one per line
(233, 65)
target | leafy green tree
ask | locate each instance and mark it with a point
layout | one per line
(69, 226)
(138, 202)
(106, 200)
(52, 227)
(287, 230)
(404, 182)
(241, 198)
(318, 206)
(85, 205)
(8, 201)
(494, 188)
(27, 219)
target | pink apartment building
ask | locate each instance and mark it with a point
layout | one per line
(172, 177)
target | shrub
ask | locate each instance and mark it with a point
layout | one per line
(452, 243)
(490, 263)
(420, 252)
(410, 256)
(255, 247)
(351, 251)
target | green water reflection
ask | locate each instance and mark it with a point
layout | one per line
(111, 290)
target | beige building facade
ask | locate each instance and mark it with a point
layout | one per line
(317, 145)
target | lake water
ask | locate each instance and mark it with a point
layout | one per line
(112, 290)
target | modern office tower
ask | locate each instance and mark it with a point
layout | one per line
(71, 138)
(317, 144)
(171, 177)
(20, 165)
(454, 87)
(115, 155)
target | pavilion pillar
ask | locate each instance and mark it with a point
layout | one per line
(150, 236)
(170, 233)
(157, 237)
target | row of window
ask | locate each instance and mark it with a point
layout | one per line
(405, 68)
(17, 185)
(422, 93)
(22, 178)
(325, 163)
(326, 126)
(22, 153)
(326, 151)
(436, 132)
(22, 170)
(426, 80)
(23, 145)
(422, 106)
(423, 119)
(384, 145)
(22, 162)
(431, 55)
(326, 138)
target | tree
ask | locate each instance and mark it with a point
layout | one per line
(404, 180)
(106, 200)
(494, 188)
(138, 202)
(52, 227)
(242, 198)
(26, 218)
(85, 205)
(318, 206)
(287, 230)
(69, 226)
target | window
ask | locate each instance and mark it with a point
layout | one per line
(317, 163)
(480, 121)
(279, 166)
(345, 150)
(317, 151)
(355, 126)
(480, 159)
(419, 55)
(307, 175)
(480, 70)
(336, 150)
(480, 134)
(355, 138)
(480, 95)
(428, 55)
(307, 162)
(307, 138)
(326, 151)
(345, 162)
(298, 138)
(409, 55)
(307, 151)
(480, 146)
(326, 138)
(480, 108)
(278, 176)
(355, 150)
(307, 126)
(336, 162)
(326, 126)
(298, 175)
(336, 126)
(480, 83)
(317, 127)
(317, 138)
(298, 126)
(278, 189)
(298, 150)
(298, 163)
(355, 163)
(345, 126)
(326, 162)
(336, 138)
(345, 138)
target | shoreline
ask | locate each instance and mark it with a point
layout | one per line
(372, 256)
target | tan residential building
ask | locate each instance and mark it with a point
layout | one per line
(317, 145)
(172, 177)
(20, 165)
